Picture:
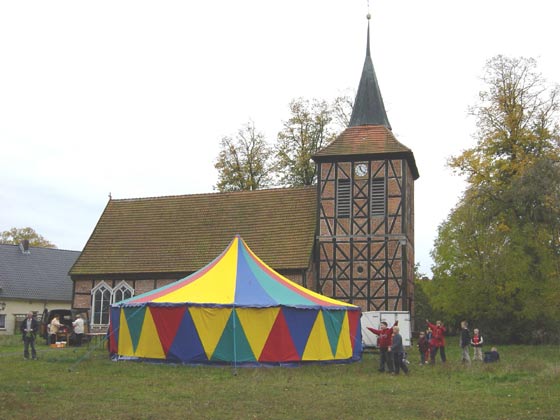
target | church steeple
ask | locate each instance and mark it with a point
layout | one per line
(368, 106)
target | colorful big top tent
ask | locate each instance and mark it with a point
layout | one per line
(235, 310)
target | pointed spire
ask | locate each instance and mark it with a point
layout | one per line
(368, 106)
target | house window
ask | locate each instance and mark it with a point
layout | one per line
(122, 291)
(378, 197)
(2, 321)
(343, 198)
(101, 303)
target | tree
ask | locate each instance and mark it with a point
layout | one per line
(497, 257)
(14, 236)
(308, 130)
(244, 162)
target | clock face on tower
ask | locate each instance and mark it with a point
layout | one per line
(361, 169)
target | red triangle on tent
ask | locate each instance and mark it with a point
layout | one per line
(168, 320)
(279, 346)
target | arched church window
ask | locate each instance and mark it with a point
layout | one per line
(101, 302)
(122, 291)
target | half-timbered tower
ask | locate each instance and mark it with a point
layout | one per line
(365, 233)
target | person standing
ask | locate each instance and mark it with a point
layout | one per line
(53, 329)
(476, 342)
(465, 342)
(423, 347)
(29, 328)
(438, 341)
(397, 349)
(384, 343)
(78, 325)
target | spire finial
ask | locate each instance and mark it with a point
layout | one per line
(368, 13)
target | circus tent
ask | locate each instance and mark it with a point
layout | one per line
(235, 310)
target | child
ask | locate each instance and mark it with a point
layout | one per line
(438, 341)
(465, 342)
(397, 349)
(423, 347)
(476, 342)
(492, 355)
(384, 342)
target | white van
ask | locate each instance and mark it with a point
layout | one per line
(373, 319)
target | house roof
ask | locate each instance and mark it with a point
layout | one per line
(41, 274)
(367, 141)
(184, 233)
(368, 106)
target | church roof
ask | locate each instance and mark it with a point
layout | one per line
(184, 233)
(366, 142)
(368, 135)
(368, 106)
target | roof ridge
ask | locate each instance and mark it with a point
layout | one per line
(303, 187)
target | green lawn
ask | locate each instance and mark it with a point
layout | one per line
(83, 383)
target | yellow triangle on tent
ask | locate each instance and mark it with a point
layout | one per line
(257, 332)
(125, 342)
(149, 345)
(214, 286)
(344, 348)
(210, 324)
(318, 346)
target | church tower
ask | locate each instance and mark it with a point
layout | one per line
(365, 233)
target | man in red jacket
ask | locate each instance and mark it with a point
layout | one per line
(384, 341)
(438, 341)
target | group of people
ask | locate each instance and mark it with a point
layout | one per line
(430, 343)
(30, 327)
(55, 326)
(390, 343)
(433, 340)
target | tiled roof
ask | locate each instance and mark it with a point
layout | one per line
(184, 233)
(40, 275)
(366, 141)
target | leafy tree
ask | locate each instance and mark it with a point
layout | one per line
(342, 110)
(244, 161)
(14, 236)
(497, 257)
(308, 130)
(422, 309)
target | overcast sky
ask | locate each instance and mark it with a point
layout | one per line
(132, 97)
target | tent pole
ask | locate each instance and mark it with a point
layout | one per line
(234, 343)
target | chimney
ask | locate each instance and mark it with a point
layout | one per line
(24, 246)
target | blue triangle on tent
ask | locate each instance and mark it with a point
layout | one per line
(248, 289)
(233, 345)
(300, 322)
(187, 346)
(114, 328)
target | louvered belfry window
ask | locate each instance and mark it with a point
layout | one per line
(343, 198)
(378, 197)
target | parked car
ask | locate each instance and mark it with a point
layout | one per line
(65, 316)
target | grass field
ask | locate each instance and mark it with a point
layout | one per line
(82, 383)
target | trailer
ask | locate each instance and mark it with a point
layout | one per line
(373, 319)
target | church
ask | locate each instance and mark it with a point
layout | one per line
(349, 237)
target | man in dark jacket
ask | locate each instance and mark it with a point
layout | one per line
(29, 328)
(384, 340)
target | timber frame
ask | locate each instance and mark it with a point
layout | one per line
(364, 258)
